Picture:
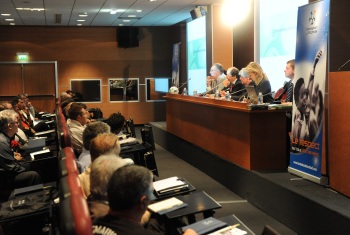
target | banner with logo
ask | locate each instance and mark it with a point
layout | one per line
(309, 91)
(176, 65)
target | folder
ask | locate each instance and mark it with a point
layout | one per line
(167, 205)
(205, 226)
(169, 185)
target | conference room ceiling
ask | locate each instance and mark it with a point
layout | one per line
(97, 12)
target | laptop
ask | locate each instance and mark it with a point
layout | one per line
(252, 93)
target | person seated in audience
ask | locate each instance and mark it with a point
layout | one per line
(11, 162)
(27, 124)
(235, 87)
(20, 136)
(28, 105)
(91, 131)
(64, 96)
(246, 81)
(128, 203)
(78, 118)
(116, 121)
(101, 171)
(102, 144)
(262, 83)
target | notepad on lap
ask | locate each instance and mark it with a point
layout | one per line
(167, 205)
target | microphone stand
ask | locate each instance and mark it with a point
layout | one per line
(203, 94)
(184, 83)
(344, 64)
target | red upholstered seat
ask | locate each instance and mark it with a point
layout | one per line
(71, 164)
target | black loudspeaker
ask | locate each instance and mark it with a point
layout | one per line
(128, 36)
(196, 13)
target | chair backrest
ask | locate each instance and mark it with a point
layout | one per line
(130, 128)
(147, 136)
(74, 216)
(71, 164)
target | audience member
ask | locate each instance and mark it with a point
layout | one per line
(262, 83)
(10, 161)
(116, 121)
(101, 171)
(128, 203)
(78, 118)
(216, 79)
(20, 136)
(91, 131)
(64, 96)
(102, 144)
(235, 87)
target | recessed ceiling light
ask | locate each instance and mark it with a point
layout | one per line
(83, 15)
(152, 0)
(131, 16)
(80, 20)
(5, 14)
(12, 23)
(9, 19)
(79, 24)
(121, 24)
(126, 20)
(138, 10)
(113, 12)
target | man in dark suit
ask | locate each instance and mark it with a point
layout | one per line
(235, 87)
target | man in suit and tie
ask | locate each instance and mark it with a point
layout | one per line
(286, 94)
(235, 87)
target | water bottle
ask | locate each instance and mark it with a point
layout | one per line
(194, 92)
(184, 91)
(217, 94)
(227, 96)
(260, 98)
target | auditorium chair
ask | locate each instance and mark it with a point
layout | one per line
(74, 216)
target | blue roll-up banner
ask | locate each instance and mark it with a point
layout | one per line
(309, 91)
(175, 65)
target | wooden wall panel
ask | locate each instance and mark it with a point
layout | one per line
(92, 52)
(10, 80)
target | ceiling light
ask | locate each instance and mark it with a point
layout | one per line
(80, 20)
(139, 11)
(113, 12)
(85, 15)
(9, 19)
(79, 24)
(152, 0)
(126, 20)
(12, 23)
(131, 16)
(121, 24)
(5, 14)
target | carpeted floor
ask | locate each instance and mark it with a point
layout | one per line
(170, 165)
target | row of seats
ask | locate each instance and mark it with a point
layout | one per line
(73, 212)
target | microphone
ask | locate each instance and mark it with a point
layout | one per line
(344, 65)
(269, 93)
(237, 91)
(184, 83)
(203, 94)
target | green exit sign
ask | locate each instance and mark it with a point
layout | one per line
(22, 56)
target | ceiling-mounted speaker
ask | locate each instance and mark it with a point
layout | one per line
(197, 12)
(127, 36)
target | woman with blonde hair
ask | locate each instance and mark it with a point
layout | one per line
(262, 83)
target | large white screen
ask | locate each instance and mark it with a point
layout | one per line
(196, 55)
(278, 24)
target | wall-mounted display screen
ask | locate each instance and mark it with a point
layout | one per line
(196, 54)
(88, 90)
(156, 88)
(123, 89)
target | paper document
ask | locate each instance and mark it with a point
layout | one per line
(165, 204)
(168, 183)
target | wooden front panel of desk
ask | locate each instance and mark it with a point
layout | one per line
(338, 132)
(255, 140)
